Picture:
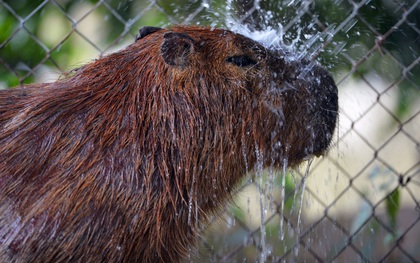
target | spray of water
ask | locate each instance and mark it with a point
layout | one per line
(263, 206)
(283, 198)
(307, 45)
(302, 190)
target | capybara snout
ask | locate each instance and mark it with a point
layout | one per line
(125, 158)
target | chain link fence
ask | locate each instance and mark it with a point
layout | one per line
(358, 204)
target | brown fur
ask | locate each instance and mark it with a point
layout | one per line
(124, 159)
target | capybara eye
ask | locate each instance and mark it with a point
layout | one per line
(241, 61)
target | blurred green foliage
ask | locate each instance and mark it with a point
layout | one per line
(392, 207)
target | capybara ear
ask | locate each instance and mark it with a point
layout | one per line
(176, 48)
(144, 31)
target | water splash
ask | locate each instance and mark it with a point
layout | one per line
(190, 202)
(307, 43)
(190, 205)
(302, 188)
(243, 140)
(268, 37)
(304, 40)
(259, 174)
(283, 198)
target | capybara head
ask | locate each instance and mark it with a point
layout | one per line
(123, 159)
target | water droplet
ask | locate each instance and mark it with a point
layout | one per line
(283, 197)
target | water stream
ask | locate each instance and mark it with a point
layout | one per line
(307, 45)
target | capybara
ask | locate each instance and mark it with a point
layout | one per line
(125, 158)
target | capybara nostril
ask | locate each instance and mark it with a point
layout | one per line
(125, 159)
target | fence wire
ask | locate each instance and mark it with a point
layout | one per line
(360, 203)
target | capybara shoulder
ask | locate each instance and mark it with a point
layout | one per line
(124, 159)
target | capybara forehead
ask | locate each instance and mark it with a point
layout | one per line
(223, 40)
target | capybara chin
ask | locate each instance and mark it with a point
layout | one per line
(124, 159)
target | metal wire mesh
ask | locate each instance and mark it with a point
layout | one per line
(358, 204)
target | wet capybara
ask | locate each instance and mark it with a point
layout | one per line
(124, 159)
